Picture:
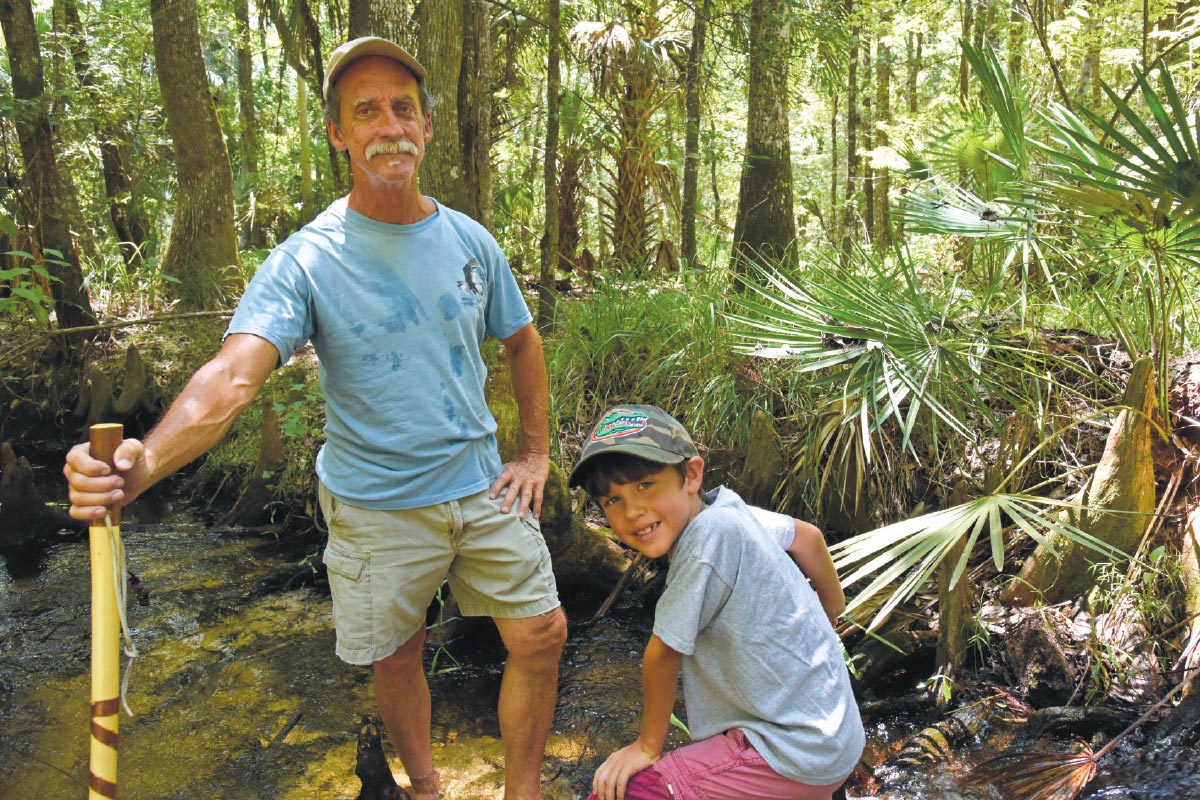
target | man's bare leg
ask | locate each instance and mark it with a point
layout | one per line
(402, 694)
(527, 695)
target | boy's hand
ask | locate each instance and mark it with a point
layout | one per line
(614, 774)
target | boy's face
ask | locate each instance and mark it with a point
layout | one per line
(649, 514)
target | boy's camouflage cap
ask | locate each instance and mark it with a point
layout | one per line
(644, 431)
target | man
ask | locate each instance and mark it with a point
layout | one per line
(396, 292)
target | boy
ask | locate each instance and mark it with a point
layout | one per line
(767, 694)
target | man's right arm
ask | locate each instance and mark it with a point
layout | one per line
(197, 420)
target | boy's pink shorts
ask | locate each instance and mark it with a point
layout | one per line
(724, 767)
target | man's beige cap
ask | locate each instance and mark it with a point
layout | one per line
(355, 49)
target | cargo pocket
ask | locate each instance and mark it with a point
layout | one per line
(350, 586)
(331, 507)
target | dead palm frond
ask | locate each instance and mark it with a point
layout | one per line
(1058, 776)
(1040, 776)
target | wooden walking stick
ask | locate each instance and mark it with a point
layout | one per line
(104, 536)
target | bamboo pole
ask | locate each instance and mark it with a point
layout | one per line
(106, 632)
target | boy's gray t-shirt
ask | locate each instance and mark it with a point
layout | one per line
(759, 652)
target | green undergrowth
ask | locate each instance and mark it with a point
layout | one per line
(661, 343)
(292, 395)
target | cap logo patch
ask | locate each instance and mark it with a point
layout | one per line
(619, 422)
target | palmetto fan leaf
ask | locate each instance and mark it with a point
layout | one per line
(1139, 158)
(1007, 103)
(875, 335)
(955, 211)
(1134, 188)
(904, 555)
(1149, 179)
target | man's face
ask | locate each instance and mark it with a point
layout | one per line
(649, 514)
(382, 127)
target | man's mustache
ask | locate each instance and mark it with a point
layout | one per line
(392, 148)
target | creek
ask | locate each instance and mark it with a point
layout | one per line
(237, 693)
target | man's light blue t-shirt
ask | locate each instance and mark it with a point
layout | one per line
(396, 314)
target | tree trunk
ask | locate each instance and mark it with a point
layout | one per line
(440, 50)
(1189, 558)
(966, 23)
(718, 222)
(834, 211)
(633, 171)
(1016, 43)
(391, 19)
(307, 197)
(202, 250)
(913, 45)
(547, 293)
(1118, 503)
(570, 204)
(25, 517)
(882, 237)
(475, 108)
(852, 122)
(691, 146)
(1087, 90)
(302, 49)
(251, 235)
(954, 608)
(766, 219)
(43, 206)
(865, 91)
(128, 219)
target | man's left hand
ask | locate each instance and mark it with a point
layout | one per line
(525, 480)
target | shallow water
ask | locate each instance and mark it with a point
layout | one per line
(237, 693)
(226, 666)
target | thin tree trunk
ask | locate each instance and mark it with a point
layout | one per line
(834, 176)
(547, 293)
(250, 235)
(1039, 29)
(1087, 89)
(42, 205)
(966, 18)
(852, 122)
(914, 44)
(766, 219)
(302, 49)
(307, 198)
(475, 108)
(691, 147)
(718, 224)
(1016, 44)
(883, 114)
(865, 91)
(202, 251)
(128, 219)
